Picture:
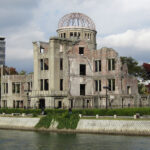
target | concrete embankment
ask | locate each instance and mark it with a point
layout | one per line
(18, 123)
(125, 127)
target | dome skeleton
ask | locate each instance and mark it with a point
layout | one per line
(76, 20)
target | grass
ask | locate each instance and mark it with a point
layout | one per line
(65, 121)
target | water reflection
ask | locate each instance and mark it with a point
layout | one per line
(28, 140)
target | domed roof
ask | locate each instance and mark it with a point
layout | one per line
(77, 20)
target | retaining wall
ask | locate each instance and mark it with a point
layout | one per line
(126, 127)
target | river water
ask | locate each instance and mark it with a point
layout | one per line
(29, 140)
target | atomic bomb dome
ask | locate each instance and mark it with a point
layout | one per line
(78, 26)
(77, 20)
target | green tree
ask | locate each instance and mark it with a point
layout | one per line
(133, 67)
(22, 72)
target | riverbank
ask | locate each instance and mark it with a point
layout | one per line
(124, 127)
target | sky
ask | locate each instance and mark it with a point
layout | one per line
(123, 25)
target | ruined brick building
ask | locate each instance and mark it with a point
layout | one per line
(69, 71)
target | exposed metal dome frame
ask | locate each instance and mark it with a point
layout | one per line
(77, 20)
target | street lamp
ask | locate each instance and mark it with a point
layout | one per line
(107, 88)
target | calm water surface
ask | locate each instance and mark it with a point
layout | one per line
(28, 140)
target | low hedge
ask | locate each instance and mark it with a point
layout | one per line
(104, 112)
(86, 112)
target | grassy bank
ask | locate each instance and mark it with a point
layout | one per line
(65, 120)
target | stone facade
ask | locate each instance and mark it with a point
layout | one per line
(70, 72)
(14, 90)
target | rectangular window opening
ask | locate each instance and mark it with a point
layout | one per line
(61, 63)
(96, 85)
(46, 64)
(100, 87)
(82, 69)
(82, 89)
(61, 84)
(64, 35)
(46, 84)
(75, 34)
(71, 34)
(109, 64)
(41, 84)
(41, 64)
(81, 50)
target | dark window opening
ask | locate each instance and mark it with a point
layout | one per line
(29, 86)
(82, 89)
(41, 84)
(88, 36)
(18, 88)
(13, 87)
(99, 65)
(64, 35)
(75, 34)
(46, 64)
(42, 103)
(96, 85)
(41, 64)
(6, 87)
(61, 63)
(109, 64)
(79, 35)
(100, 87)
(96, 66)
(59, 104)
(81, 50)
(46, 84)
(61, 84)
(111, 84)
(82, 69)
(113, 64)
(71, 34)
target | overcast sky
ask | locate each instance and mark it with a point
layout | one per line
(121, 24)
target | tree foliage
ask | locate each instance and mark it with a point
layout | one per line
(22, 72)
(133, 67)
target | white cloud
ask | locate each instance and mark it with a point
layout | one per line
(19, 44)
(138, 39)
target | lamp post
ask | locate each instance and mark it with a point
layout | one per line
(107, 88)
